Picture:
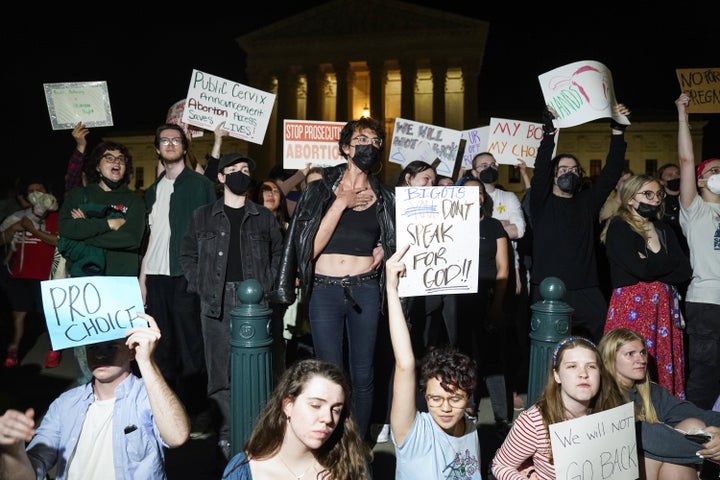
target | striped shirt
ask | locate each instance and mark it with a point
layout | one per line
(526, 444)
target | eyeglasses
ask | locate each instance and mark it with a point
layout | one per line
(455, 401)
(363, 140)
(269, 189)
(712, 171)
(564, 170)
(650, 195)
(110, 158)
(167, 141)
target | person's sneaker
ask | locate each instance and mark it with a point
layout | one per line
(384, 434)
(224, 447)
(11, 360)
(52, 359)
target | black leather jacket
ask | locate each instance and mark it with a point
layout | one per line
(315, 200)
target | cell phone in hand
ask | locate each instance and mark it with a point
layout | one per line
(699, 437)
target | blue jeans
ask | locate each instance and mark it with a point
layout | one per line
(355, 307)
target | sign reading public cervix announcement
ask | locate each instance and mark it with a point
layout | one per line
(441, 224)
(245, 110)
(84, 310)
(429, 143)
(307, 141)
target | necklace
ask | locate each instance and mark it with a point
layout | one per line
(298, 477)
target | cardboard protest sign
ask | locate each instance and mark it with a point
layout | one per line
(597, 446)
(702, 86)
(580, 92)
(442, 226)
(429, 143)
(174, 115)
(245, 110)
(84, 310)
(476, 141)
(73, 102)
(315, 142)
(510, 140)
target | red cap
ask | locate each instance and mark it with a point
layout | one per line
(703, 164)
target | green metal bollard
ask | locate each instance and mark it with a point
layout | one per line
(549, 323)
(250, 362)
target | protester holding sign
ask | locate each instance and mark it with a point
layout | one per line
(665, 419)
(564, 219)
(442, 442)
(340, 222)
(577, 385)
(117, 421)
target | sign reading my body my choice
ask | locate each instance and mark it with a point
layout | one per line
(84, 310)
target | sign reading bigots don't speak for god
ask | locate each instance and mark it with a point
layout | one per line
(84, 310)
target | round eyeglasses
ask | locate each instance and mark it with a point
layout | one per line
(167, 141)
(110, 158)
(650, 195)
(455, 401)
(363, 140)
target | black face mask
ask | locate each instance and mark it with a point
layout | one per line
(237, 182)
(111, 184)
(568, 182)
(365, 157)
(489, 175)
(646, 210)
(673, 184)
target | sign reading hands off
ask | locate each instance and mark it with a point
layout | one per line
(442, 226)
(579, 93)
(84, 310)
(211, 100)
(596, 447)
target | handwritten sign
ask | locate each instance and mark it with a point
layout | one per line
(580, 92)
(174, 115)
(476, 141)
(211, 100)
(702, 86)
(84, 310)
(598, 446)
(510, 140)
(311, 142)
(429, 143)
(70, 103)
(442, 226)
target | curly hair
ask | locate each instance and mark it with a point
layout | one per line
(356, 126)
(95, 157)
(455, 370)
(344, 455)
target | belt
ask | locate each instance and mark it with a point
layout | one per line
(346, 281)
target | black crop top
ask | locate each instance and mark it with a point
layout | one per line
(356, 233)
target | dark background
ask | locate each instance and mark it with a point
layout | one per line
(147, 59)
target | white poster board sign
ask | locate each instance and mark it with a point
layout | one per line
(598, 446)
(580, 92)
(476, 141)
(442, 226)
(245, 110)
(174, 115)
(316, 142)
(429, 143)
(73, 102)
(510, 140)
(84, 310)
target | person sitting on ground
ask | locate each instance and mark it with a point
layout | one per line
(442, 442)
(306, 428)
(118, 420)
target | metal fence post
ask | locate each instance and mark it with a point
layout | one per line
(250, 362)
(549, 323)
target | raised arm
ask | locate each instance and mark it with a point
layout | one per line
(686, 156)
(402, 410)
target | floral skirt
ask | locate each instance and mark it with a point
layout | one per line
(652, 310)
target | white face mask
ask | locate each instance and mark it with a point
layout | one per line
(713, 184)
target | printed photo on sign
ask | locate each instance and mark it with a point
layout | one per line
(84, 310)
(245, 110)
(579, 93)
(441, 224)
(435, 145)
(315, 142)
(70, 103)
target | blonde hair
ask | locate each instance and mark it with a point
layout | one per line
(625, 212)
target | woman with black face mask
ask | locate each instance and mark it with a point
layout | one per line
(646, 265)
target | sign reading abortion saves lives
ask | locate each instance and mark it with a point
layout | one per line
(84, 310)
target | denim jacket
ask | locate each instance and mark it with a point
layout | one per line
(205, 246)
(299, 239)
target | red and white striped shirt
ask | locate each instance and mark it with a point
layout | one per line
(526, 444)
